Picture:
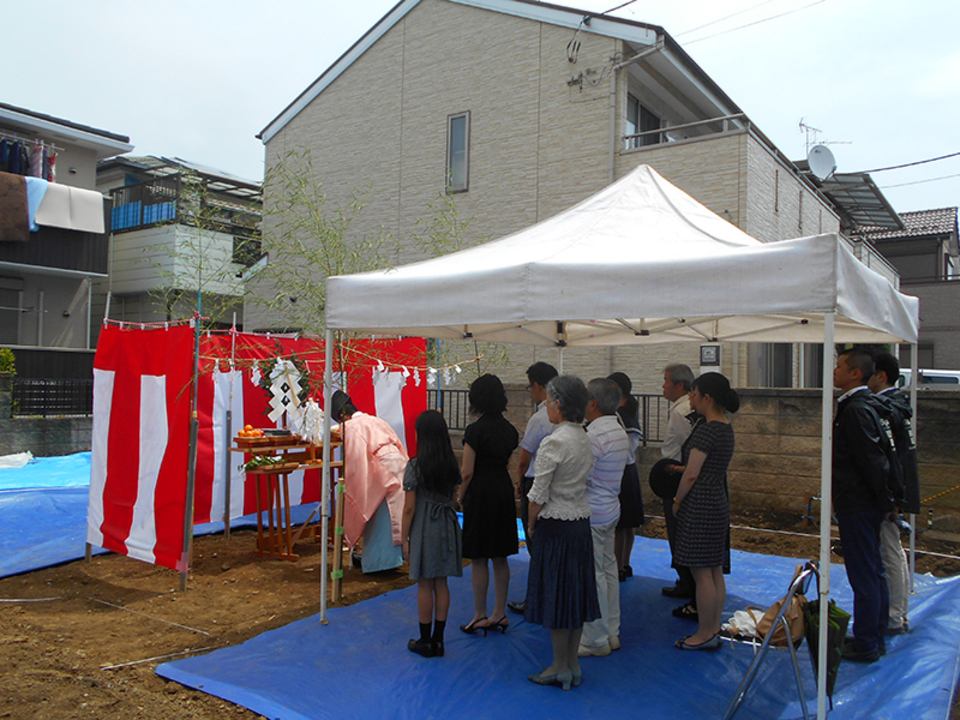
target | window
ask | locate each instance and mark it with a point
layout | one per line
(640, 119)
(458, 152)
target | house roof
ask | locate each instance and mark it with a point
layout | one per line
(217, 180)
(677, 66)
(102, 141)
(916, 224)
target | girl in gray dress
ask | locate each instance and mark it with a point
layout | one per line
(430, 531)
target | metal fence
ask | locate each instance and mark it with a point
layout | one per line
(455, 407)
(50, 398)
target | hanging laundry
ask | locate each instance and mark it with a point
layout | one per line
(50, 165)
(16, 157)
(36, 161)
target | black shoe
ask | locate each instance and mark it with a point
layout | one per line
(421, 647)
(623, 576)
(687, 612)
(902, 630)
(852, 654)
(517, 607)
(437, 648)
(861, 656)
(628, 570)
(678, 591)
(471, 627)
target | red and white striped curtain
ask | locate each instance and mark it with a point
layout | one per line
(141, 419)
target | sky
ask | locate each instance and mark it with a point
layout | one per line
(198, 79)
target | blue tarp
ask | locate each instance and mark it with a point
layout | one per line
(43, 510)
(358, 665)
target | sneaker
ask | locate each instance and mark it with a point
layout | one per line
(902, 630)
(614, 642)
(591, 651)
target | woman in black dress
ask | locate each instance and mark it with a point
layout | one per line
(631, 501)
(487, 497)
(702, 506)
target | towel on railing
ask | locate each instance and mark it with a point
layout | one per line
(14, 221)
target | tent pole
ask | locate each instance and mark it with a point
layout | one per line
(915, 376)
(192, 469)
(229, 431)
(325, 473)
(826, 502)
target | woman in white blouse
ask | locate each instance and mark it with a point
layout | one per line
(561, 587)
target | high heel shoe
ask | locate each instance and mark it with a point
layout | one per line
(502, 624)
(541, 679)
(565, 678)
(471, 627)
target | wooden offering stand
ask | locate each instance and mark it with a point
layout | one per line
(273, 492)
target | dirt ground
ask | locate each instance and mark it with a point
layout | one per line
(82, 640)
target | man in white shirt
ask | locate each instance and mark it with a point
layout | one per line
(677, 381)
(611, 448)
(538, 427)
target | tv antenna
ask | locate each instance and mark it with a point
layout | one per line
(812, 138)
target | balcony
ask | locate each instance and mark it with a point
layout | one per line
(184, 200)
(54, 251)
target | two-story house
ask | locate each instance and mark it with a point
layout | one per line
(925, 254)
(519, 109)
(47, 274)
(178, 230)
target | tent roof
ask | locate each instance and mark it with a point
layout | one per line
(639, 262)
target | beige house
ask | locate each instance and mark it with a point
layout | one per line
(520, 109)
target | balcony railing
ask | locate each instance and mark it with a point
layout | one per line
(187, 202)
(699, 130)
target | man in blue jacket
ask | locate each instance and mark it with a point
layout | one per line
(861, 499)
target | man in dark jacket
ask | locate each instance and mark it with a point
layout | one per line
(882, 383)
(861, 500)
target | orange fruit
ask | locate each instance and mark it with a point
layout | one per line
(248, 428)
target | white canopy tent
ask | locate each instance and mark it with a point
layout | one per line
(639, 262)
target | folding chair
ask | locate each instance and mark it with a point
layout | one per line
(800, 584)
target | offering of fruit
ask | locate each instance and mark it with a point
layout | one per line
(250, 432)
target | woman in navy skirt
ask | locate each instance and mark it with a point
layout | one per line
(561, 587)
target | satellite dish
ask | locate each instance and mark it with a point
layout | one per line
(821, 161)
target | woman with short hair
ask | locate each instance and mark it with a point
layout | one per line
(561, 586)
(487, 497)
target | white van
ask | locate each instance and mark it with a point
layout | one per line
(932, 379)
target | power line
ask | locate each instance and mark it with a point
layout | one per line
(720, 20)
(912, 164)
(757, 22)
(919, 182)
(629, 2)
